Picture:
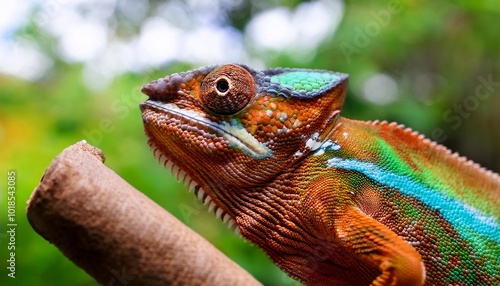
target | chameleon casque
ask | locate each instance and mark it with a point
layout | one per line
(332, 201)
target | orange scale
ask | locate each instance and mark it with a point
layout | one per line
(266, 120)
(290, 112)
(192, 84)
(297, 124)
(254, 113)
(253, 128)
(267, 128)
(264, 99)
(282, 107)
(276, 114)
(219, 146)
(262, 113)
(274, 122)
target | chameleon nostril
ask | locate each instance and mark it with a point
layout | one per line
(148, 89)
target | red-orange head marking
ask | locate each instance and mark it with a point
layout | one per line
(230, 127)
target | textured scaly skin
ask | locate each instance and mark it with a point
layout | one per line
(331, 200)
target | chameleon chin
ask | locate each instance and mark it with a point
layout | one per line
(332, 201)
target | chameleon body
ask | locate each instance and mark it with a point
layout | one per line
(332, 201)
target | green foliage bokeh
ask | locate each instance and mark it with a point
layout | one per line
(436, 52)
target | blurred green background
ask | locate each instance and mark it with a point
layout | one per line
(72, 70)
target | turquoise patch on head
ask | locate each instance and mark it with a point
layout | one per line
(307, 81)
(302, 84)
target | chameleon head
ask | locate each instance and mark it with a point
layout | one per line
(230, 128)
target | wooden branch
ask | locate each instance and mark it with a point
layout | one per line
(117, 234)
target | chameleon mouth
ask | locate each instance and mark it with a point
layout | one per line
(192, 186)
(189, 120)
(232, 131)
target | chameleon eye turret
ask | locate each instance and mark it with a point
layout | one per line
(227, 89)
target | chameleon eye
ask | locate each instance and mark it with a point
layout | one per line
(227, 89)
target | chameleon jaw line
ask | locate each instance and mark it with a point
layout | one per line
(235, 134)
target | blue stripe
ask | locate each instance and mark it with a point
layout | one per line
(468, 220)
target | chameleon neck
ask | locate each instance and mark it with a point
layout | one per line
(398, 151)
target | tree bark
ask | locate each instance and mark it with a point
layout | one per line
(117, 234)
